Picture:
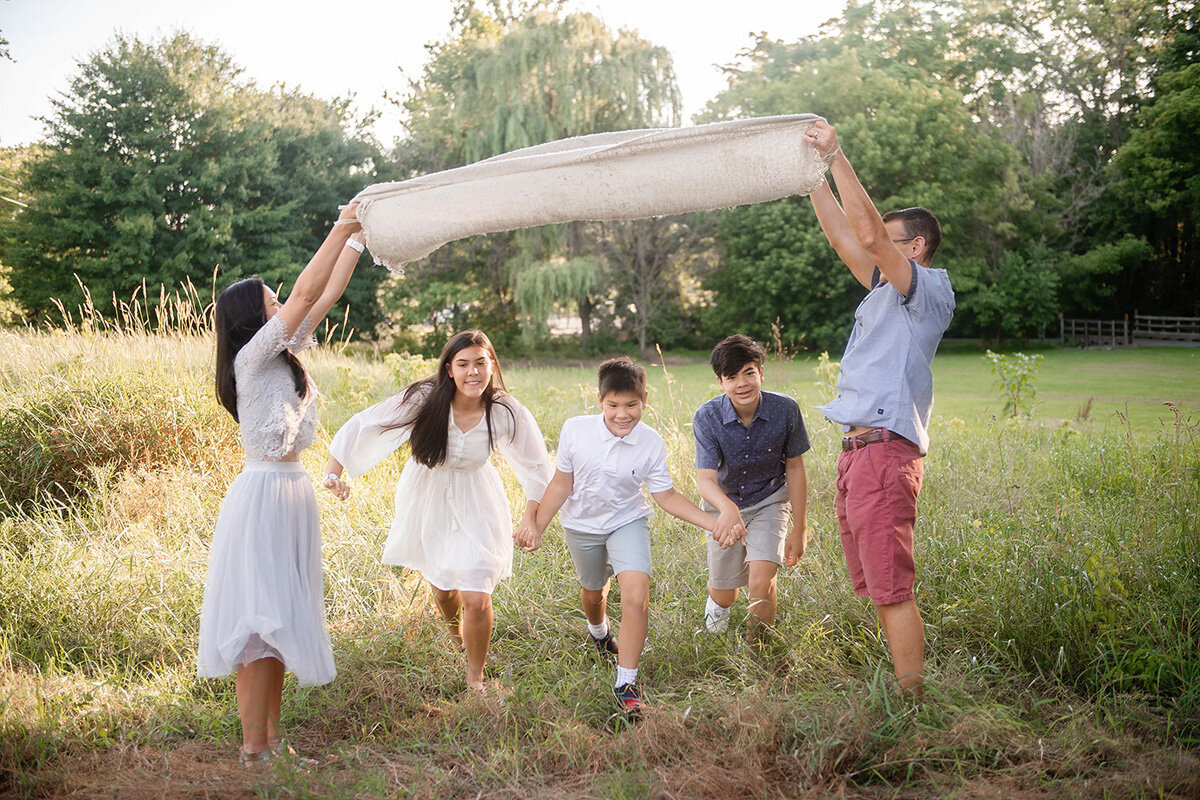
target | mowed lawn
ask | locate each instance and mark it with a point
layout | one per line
(1131, 384)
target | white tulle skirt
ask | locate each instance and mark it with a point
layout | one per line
(264, 596)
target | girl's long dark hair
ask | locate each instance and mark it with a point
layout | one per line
(431, 423)
(240, 313)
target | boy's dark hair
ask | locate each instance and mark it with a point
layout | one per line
(621, 375)
(919, 221)
(733, 353)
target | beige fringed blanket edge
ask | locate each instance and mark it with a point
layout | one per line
(604, 176)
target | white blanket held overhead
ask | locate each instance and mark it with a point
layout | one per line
(604, 176)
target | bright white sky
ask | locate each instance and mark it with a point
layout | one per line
(334, 48)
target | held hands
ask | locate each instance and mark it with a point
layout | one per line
(729, 529)
(796, 544)
(526, 536)
(823, 137)
(335, 484)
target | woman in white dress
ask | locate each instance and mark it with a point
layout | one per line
(453, 522)
(264, 604)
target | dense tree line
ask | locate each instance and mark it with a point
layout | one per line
(162, 166)
(1056, 142)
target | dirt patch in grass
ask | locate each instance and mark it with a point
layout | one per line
(197, 770)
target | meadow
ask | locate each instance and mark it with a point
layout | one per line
(1059, 576)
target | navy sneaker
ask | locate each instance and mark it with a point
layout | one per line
(605, 645)
(629, 699)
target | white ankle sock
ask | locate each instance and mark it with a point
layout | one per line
(599, 631)
(625, 675)
(715, 611)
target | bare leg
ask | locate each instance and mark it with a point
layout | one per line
(449, 604)
(274, 699)
(905, 631)
(764, 598)
(256, 695)
(635, 617)
(476, 634)
(594, 603)
(723, 597)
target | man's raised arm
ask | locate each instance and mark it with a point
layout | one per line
(838, 232)
(860, 213)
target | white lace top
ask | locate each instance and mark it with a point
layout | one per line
(274, 421)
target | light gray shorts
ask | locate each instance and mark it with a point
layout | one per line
(766, 525)
(599, 556)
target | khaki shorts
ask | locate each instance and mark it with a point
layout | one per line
(599, 556)
(766, 525)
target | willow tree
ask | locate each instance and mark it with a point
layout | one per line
(507, 80)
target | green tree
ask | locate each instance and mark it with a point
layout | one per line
(914, 141)
(508, 79)
(163, 166)
(13, 198)
(1158, 172)
(777, 267)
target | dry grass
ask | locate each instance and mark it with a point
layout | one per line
(1059, 578)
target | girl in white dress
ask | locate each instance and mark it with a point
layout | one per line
(264, 604)
(453, 522)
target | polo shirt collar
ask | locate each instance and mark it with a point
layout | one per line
(607, 436)
(729, 414)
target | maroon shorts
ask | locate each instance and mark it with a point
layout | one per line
(877, 488)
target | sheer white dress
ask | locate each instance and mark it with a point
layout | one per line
(453, 523)
(264, 596)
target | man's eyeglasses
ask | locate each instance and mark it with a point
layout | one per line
(909, 239)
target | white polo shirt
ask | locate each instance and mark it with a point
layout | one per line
(608, 472)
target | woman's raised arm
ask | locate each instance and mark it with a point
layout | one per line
(333, 257)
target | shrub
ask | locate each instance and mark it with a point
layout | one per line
(62, 429)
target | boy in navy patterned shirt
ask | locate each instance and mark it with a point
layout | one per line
(750, 447)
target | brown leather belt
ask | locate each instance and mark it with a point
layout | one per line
(871, 437)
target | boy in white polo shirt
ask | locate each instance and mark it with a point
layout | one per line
(602, 462)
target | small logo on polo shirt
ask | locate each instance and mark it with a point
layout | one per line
(879, 411)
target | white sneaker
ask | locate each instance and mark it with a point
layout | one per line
(716, 618)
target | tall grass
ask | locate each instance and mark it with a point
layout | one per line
(1058, 576)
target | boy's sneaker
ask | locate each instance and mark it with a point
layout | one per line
(716, 619)
(606, 644)
(629, 699)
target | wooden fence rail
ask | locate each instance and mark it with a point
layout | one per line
(1094, 332)
(1145, 329)
(1169, 329)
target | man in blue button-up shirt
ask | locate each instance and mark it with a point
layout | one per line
(885, 394)
(750, 447)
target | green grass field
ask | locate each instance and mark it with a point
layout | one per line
(1059, 577)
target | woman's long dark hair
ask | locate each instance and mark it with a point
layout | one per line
(431, 423)
(240, 313)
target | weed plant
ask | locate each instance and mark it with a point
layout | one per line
(1058, 576)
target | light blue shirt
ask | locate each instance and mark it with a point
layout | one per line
(887, 375)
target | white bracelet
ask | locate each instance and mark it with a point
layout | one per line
(355, 244)
(330, 477)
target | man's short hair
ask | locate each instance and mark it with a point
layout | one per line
(619, 375)
(919, 221)
(733, 353)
